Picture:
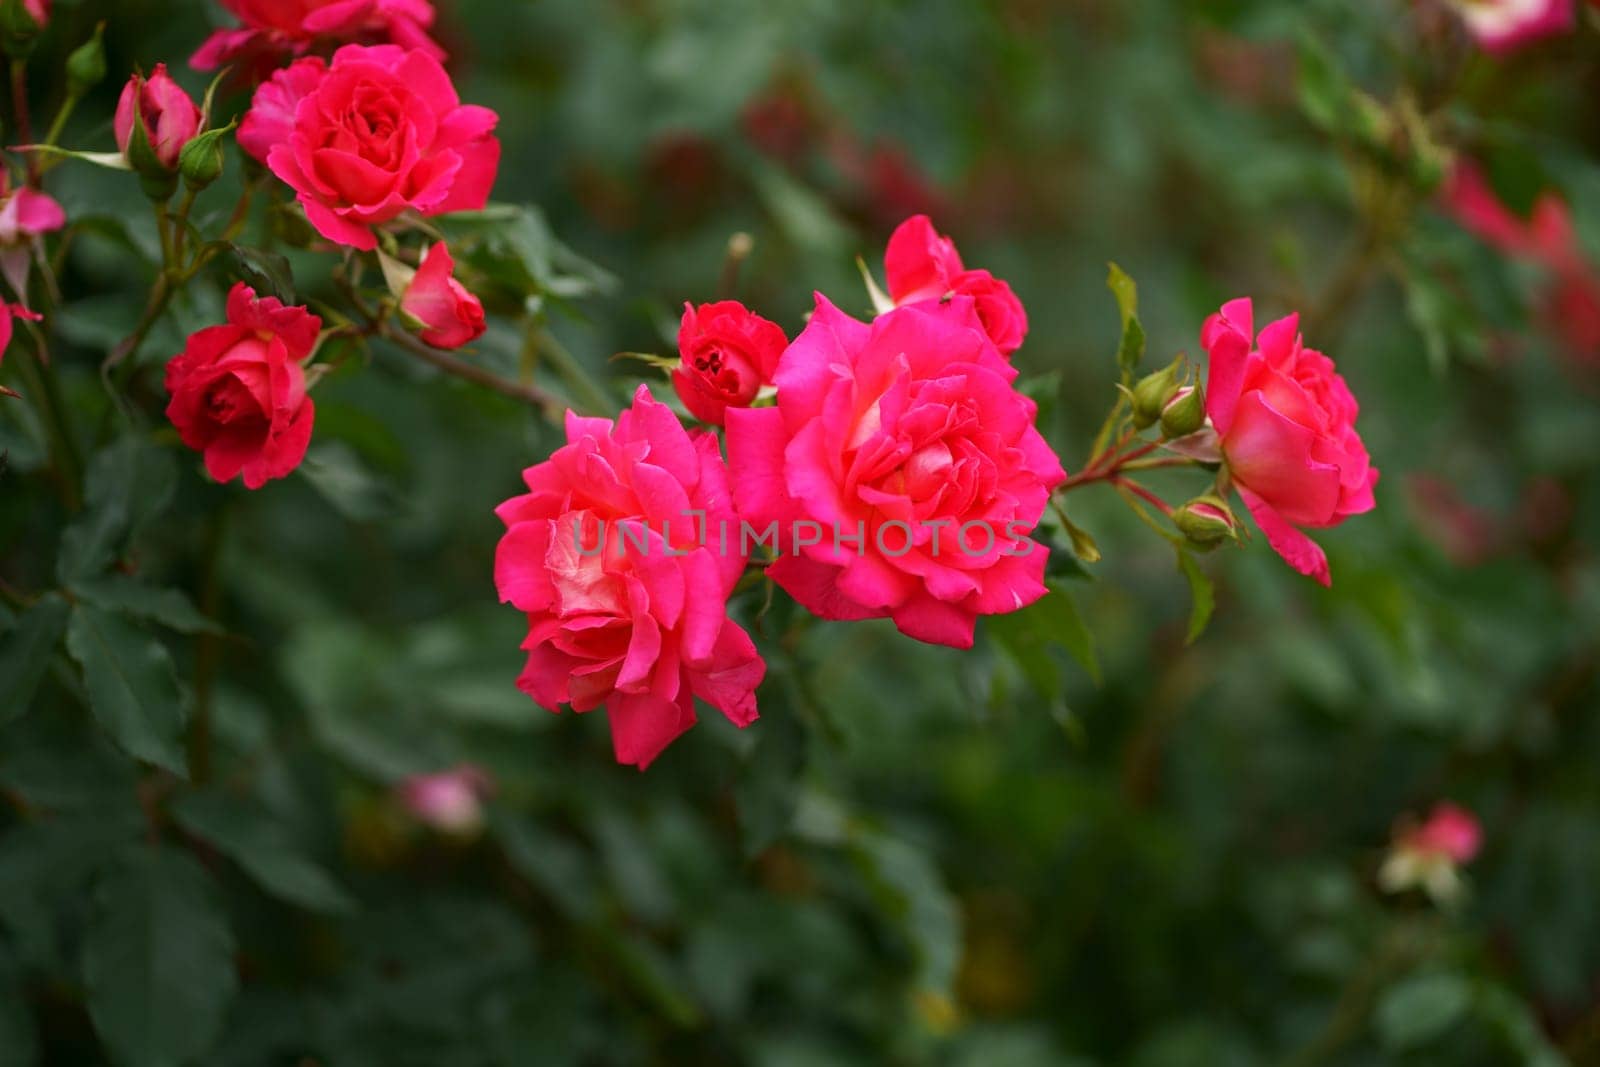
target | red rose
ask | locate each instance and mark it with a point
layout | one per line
(376, 134)
(1286, 423)
(169, 117)
(923, 265)
(449, 314)
(272, 28)
(239, 391)
(729, 353)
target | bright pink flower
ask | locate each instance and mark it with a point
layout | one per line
(1502, 26)
(38, 11)
(9, 312)
(923, 265)
(729, 352)
(273, 28)
(169, 117)
(624, 585)
(239, 391)
(25, 216)
(378, 133)
(450, 315)
(451, 801)
(903, 470)
(1286, 424)
(1449, 831)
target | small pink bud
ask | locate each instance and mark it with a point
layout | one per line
(166, 113)
(1429, 856)
(449, 315)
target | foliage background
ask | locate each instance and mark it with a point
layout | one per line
(916, 855)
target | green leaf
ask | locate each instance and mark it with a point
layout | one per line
(25, 652)
(1421, 1008)
(1059, 615)
(1131, 350)
(268, 273)
(133, 690)
(129, 483)
(1323, 88)
(342, 478)
(908, 886)
(158, 960)
(1028, 635)
(169, 607)
(1203, 593)
(263, 849)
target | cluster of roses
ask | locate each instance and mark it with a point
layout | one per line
(879, 437)
(371, 140)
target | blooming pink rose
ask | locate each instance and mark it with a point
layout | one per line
(239, 391)
(1502, 26)
(169, 117)
(25, 216)
(273, 28)
(451, 801)
(1286, 424)
(378, 133)
(922, 265)
(728, 353)
(907, 434)
(450, 316)
(626, 600)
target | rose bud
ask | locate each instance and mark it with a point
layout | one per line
(202, 159)
(921, 264)
(1429, 856)
(86, 65)
(1184, 412)
(20, 23)
(155, 119)
(728, 353)
(1151, 393)
(1206, 521)
(239, 390)
(445, 313)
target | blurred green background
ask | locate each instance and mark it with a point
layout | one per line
(916, 856)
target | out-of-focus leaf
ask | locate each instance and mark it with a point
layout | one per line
(263, 848)
(343, 479)
(19, 1041)
(158, 959)
(169, 607)
(909, 887)
(1421, 1008)
(133, 689)
(25, 652)
(768, 786)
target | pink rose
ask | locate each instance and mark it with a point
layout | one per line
(1450, 831)
(159, 104)
(9, 312)
(239, 391)
(626, 601)
(903, 471)
(274, 28)
(1428, 857)
(450, 801)
(728, 354)
(1502, 26)
(38, 11)
(25, 216)
(378, 133)
(1286, 424)
(923, 265)
(450, 316)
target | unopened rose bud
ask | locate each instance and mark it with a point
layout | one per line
(1150, 395)
(1206, 521)
(155, 119)
(1184, 412)
(201, 160)
(1430, 856)
(86, 66)
(20, 24)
